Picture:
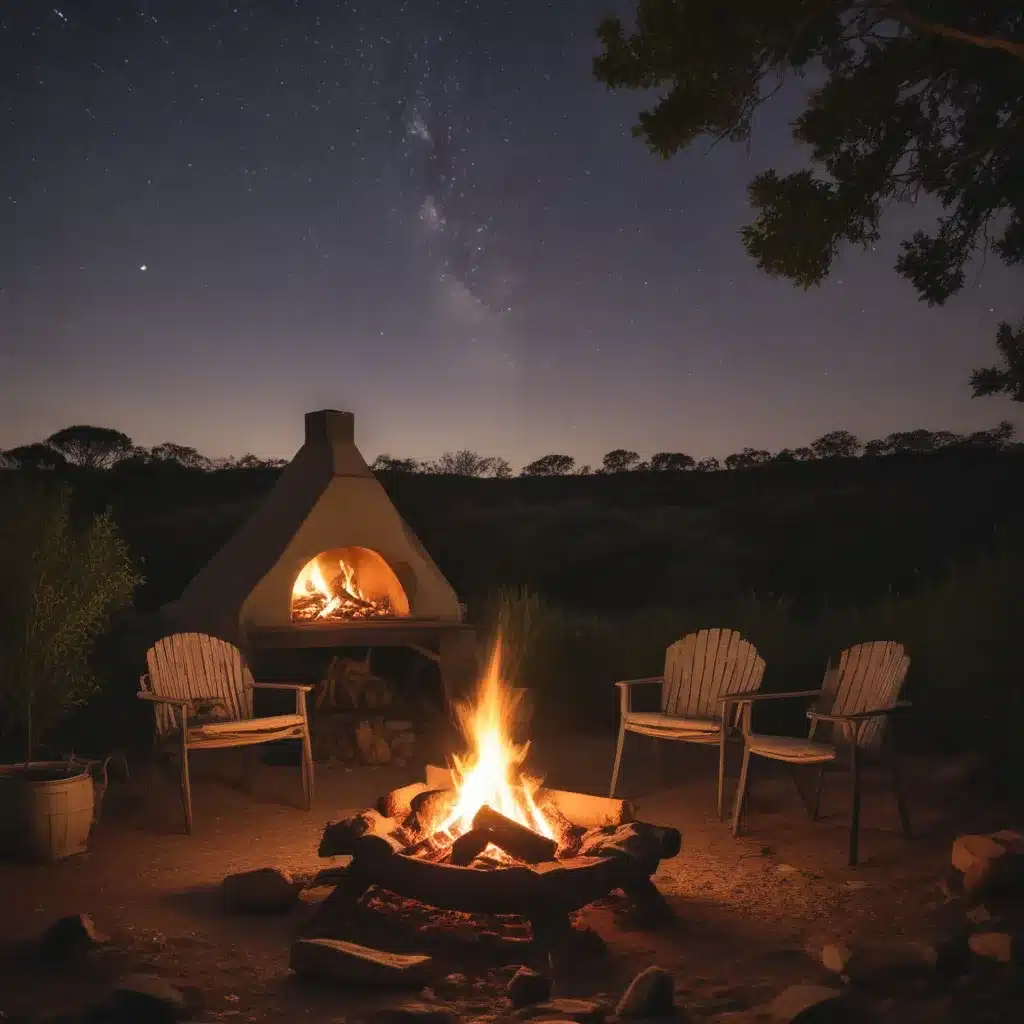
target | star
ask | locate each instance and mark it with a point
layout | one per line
(143, 267)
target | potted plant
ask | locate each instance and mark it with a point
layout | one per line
(62, 576)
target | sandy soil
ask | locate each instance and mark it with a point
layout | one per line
(751, 913)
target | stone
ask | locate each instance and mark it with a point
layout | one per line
(144, 997)
(527, 987)
(263, 891)
(415, 1013)
(1011, 839)
(876, 963)
(996, 946)
(336, 960)
(810, 1004)
(786, 869)
(973, 856)
(583, 1011)
(650, 994)
(70, 936)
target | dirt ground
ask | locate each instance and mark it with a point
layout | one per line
(751, 914)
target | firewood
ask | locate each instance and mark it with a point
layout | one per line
(515, 839)
(398, 803)
(585, 809)
(437, 777)
(568, 835)
(340, 837)
(469, 846)
(645, 843)
(431, 807)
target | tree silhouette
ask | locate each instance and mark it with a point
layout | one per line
(793, 455)
(500, 469)
(1007, 379)
(620, 460)
(91, 447)
(836, 444)
(177, 454)
(462, 463)
(388, 464)
(747, 458)
(671, 462)
(549, 465)
(36, 456)
(708, 465)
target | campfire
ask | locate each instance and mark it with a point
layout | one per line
(484, 837)
(349, 584)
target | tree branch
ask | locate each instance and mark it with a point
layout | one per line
(934, 28)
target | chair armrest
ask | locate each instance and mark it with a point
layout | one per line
(183, 702)
(860, 716)
(744, 698)
(624, 683)
(304, 687)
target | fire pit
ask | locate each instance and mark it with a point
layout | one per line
(483, 837)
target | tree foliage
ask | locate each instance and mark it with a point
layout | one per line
(63, 578)
(919, 98)
(836, 444)
(748, 457)
(549, 465)
(671, 462)
(1007, 379)
(620, 460)
(91, 447)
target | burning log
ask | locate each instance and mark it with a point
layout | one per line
(469, 846)
(398, 803)
(515, 839)
(340, 837)
(647, 844)
(429, 808)
(568, 835)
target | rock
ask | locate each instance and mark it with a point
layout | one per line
(527, 987)
(876, 963)
(973, 855)
(786, 869)
(263, 891)
(335, 960)
(650, 994)
(583, 1011)
(990, 863)
(144, 997)
(415, 1013)
(996, 946)
(811, 1004)
(1011, 839)
(855, 884)
(70, 936)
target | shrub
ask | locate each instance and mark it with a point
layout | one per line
(62, 578)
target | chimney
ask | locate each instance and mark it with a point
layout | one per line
(329, 428)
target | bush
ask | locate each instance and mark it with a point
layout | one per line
(62, 579)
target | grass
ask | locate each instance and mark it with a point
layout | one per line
(961, 633)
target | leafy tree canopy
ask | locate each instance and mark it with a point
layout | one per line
(747, 458)
(549, 465)
(918, 98)
(1007, 379)
(91, 447)
(671, 462)
(620, 460)
(836, 444)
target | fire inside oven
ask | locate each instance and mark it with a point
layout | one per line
(347, 584)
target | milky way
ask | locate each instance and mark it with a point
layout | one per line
(427, 211)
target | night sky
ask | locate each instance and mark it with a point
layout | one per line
(216, 215)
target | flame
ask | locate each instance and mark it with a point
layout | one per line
(491, 771)
(323, 599)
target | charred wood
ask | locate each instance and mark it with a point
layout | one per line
(515, 839)
(339, 837)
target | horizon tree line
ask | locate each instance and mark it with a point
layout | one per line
(103, 448)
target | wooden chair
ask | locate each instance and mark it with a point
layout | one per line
(699, 669)
(849, 721)
(190, 675)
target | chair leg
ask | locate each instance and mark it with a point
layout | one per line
(741, 791)
(186, 788)
(308, 769)
(722, 742)
(854, 805)
(808, 801)
(618, 759)
(897, 786)
(819, 785)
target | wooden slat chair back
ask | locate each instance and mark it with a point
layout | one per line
(850, 718)
(201, 691)
(197, 667)
(700, 670)
(702, 667)
(869, 676)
